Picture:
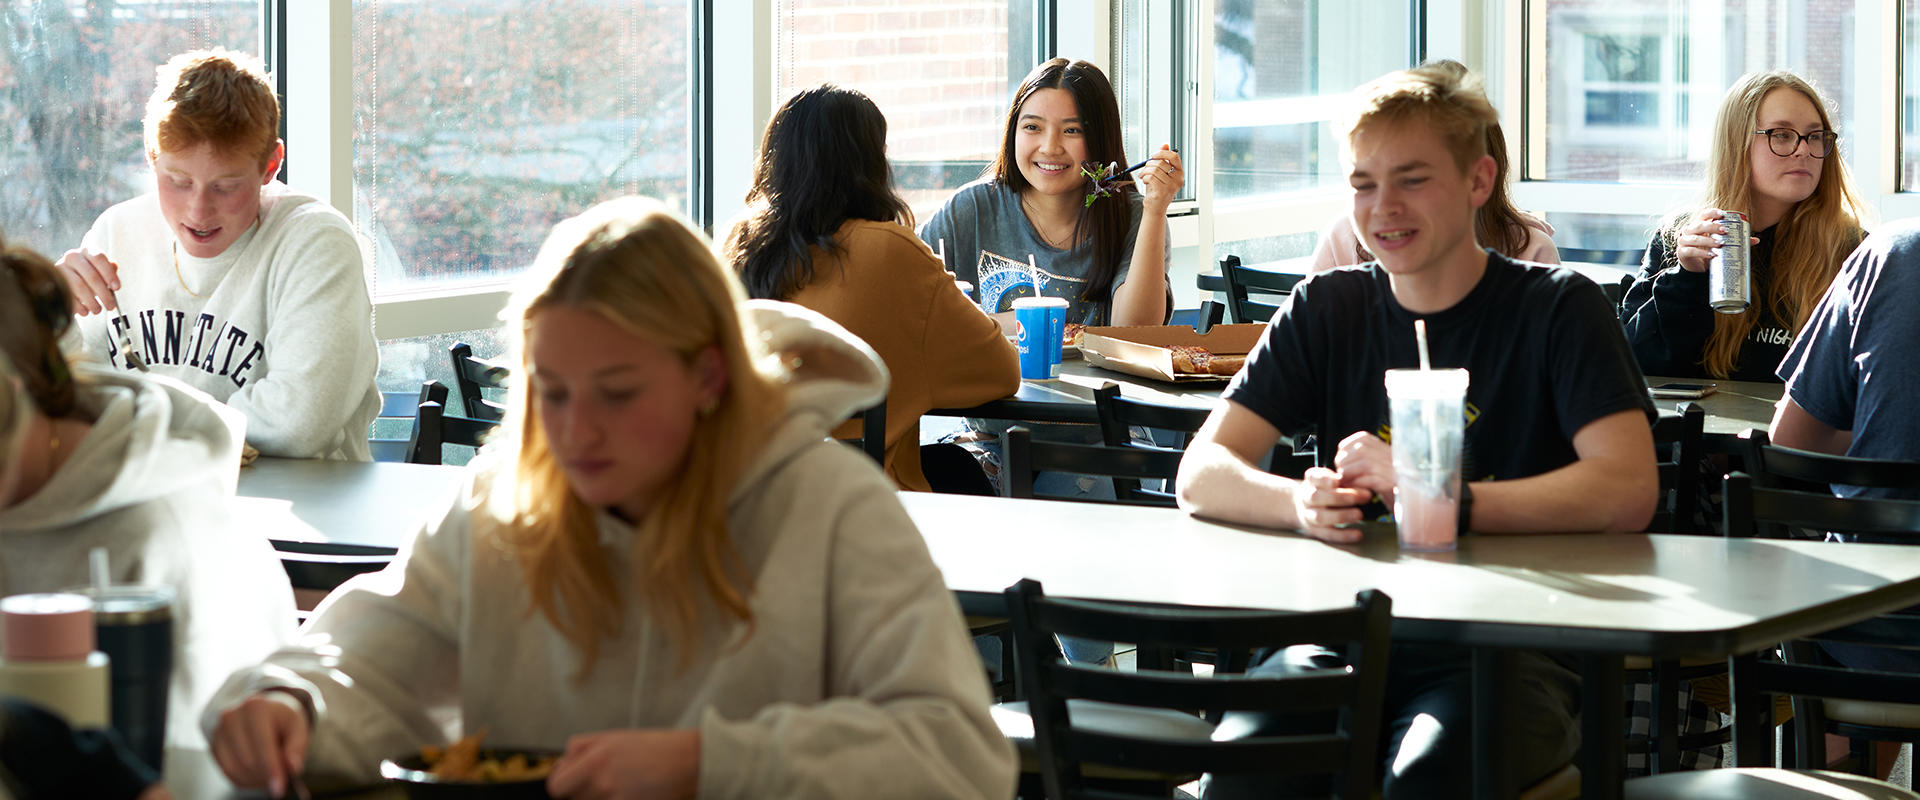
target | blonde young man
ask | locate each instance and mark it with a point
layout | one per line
(227, 280)
(1557, 413)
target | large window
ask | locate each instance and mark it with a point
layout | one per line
(74, 82)
(1278, 67)
(1910, 97)
(942, 72)
(1632, 86)
(479, 124)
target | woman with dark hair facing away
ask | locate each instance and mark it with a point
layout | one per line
(1107, 257)
(663, 566)
(1499, 224)
(824, 229)
(1775, 158)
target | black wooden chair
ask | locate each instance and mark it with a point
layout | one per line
(1679, 441)
(1118, 415)
(473, 377)
(437, 428)
(1244, 282)
(1098, 732)
(1789, 490)
(422, 411)
(1024, 457)
(873, 432)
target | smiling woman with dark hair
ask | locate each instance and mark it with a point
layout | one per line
(1107, 258)
(825, 230)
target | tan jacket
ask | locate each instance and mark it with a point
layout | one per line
(856, 679)
(888, 289)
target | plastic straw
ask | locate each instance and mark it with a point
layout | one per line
(1420, 335)
(1033, 274)
(1427, 413)
(97, 566)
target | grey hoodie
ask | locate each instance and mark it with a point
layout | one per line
(152, 482)
(856, 679)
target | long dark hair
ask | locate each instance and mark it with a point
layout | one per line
(1107, 220)
(822, 162)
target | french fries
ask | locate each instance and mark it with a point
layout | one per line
(460, 762)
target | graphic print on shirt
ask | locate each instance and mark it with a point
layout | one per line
(1004, 280)
(189, 341)
(1771, 334)
(1471, 413)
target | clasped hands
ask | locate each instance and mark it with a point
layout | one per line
(1327, 501)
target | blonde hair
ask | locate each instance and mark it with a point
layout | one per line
(1498, 223)
(651, 273)
(1444, 101)
(1809, 243)
(216, 97)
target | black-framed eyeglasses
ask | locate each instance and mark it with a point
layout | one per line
(1784, 141)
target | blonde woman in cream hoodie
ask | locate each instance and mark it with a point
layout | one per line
(669, 573)
(144, 467)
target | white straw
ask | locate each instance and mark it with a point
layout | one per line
(941, 251)
(1420, 335)
(1427, 411)
(1033, 274)
(97, 565)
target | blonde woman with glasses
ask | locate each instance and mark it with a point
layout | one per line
(1776, 158)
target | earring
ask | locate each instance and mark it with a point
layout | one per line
(707, 408)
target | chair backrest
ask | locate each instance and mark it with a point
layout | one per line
(873, 432)
(1353, 696)
(1679, 442)
(1024, 457)
(1119, 414)
(412, 407)
(438, 428)
(1242, 281)
(1770, 513)
(472, 376)
(1775, 465)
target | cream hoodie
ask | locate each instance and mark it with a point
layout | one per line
(152, 483)
(856, 680)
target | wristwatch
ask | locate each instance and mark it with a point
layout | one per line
(1464, 524)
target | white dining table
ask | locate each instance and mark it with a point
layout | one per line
(342, 507)
(1603, 596)
(1600, 596)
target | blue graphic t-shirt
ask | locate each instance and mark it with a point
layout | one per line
(988, 240)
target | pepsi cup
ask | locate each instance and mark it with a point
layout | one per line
(1036, 337)
(1057, 327)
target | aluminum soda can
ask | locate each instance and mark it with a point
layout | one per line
(1730, 275)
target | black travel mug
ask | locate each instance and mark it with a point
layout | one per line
(133, 625)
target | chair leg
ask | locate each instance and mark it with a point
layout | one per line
(1664, 724)
(1862, 752)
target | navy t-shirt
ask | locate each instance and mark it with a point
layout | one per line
(1852, 368)
(1544, 352)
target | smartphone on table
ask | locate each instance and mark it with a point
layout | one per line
(1681, 391)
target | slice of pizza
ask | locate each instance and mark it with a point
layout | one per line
(1190, 360)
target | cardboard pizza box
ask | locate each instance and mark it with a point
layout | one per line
(1143, 349)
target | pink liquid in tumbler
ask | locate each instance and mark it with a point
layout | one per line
(1426, 519)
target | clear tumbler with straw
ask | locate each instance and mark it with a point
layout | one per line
(1428, 413)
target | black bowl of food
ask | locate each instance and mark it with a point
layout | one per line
(493, 773)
